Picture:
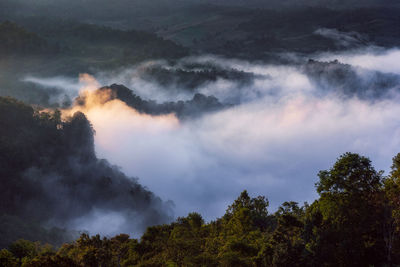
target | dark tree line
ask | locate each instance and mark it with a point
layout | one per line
(198, 105)
(354, 222)
(347, 82)
(50, 175)
(193, 76)
(16, 40)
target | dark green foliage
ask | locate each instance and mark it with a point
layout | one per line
(350, 213)
(89, 42)
(16, 40)
(197, 106)
(104, 43)
(23, 249)
(347, 82)
(351, 174)
(193, 76)
(7, 259)
(49, 172)
(344, 227)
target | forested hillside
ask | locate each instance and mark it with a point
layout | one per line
(52, 180)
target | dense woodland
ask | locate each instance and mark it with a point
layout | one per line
(354, 222)
(50, 174)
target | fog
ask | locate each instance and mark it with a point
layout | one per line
(273, 136)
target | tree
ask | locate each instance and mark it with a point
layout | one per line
(51, 261)
(23, 249)
(392, 212)
(286, 244)
(248, 213)
(351, 174)
(351, 212)
(7, 259)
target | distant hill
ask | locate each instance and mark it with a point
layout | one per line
(16, 40)
(260, 33)
(197, 106)
(53, 47)
(102, 42)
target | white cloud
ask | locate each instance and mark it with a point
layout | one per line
(273, 144)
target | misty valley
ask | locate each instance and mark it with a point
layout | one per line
(199, 133)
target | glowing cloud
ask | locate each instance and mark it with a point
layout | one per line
(273, 142)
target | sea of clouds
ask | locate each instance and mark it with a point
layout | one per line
(272, 140)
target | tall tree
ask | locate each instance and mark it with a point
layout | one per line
(351, 213)
(392, 213)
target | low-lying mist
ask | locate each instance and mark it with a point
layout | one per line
(278, 126)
